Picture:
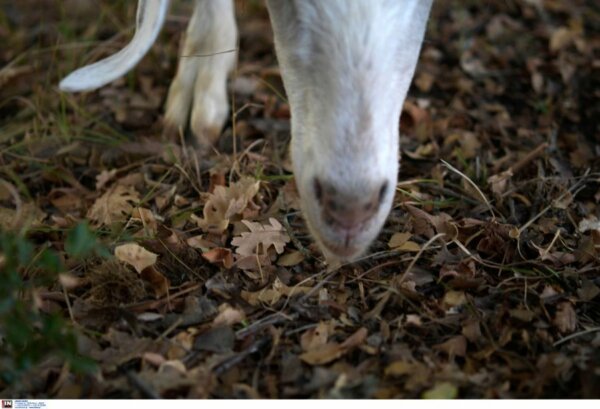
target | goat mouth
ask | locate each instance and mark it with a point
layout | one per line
(345, 249)
(338, 242)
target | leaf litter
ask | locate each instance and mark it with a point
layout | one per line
(485, 281)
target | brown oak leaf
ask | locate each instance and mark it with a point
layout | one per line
(261, 236)
(226, 203)
(113, 206)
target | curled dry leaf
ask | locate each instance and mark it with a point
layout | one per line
(331, 351)
(153, 358)
(104, 177)
(200, 243)
(401, 242)
(143, 261)
(219, 255)
(499, 182)
(136, 256)
(173, 366)
(225, 203)
(316, 337)
(113, 206)
(69, 281)
(427, 224)
(160, 284)
(454, 298)
(181, 344)
(228, 316)
(271, 295)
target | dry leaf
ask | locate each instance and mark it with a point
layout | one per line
(290, 259)
(454, 298)
(455, 346)
(588, 290)
(66, 200)
(228, 316)
(219, 255)
(331, 351)
(200, 243)
(260, 235)
(181, 344)
(265, 296)
(472, 331)
(566, 318)
(69, 281)
(159, 283)
(499, 182)
(225, 203)
(320, 356)
(425, 223)
(144, 263)
(398, 239)
(589, 223)
(146, 217)
(470, 144)
(399, 368)
(153, 358)
(409, 246)
(271, 295)
(136, 256)
(560, 39)
(104, 177)
(113, 206)
(443, 390)
(356, 339)
(316, 337)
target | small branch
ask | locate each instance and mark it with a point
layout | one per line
(576, 335)
(529, 157)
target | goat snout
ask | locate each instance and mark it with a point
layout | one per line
(348, 212)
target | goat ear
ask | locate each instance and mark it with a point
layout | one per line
(149, 20)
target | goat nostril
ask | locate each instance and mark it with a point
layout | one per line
(318, 189)
(383, 191)
(332, 206)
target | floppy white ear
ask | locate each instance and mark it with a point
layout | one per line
(150, 18)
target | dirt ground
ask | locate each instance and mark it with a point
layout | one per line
(132, 266)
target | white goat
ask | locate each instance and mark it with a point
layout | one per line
(346, 66)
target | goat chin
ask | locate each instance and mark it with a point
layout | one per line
(346, 67)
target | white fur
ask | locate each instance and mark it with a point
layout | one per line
(346, 66)
(200, 85)
(149, 20)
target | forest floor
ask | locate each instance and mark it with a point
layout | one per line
(131, 266)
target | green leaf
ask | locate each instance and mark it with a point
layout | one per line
(81, 242)
(50, 261)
